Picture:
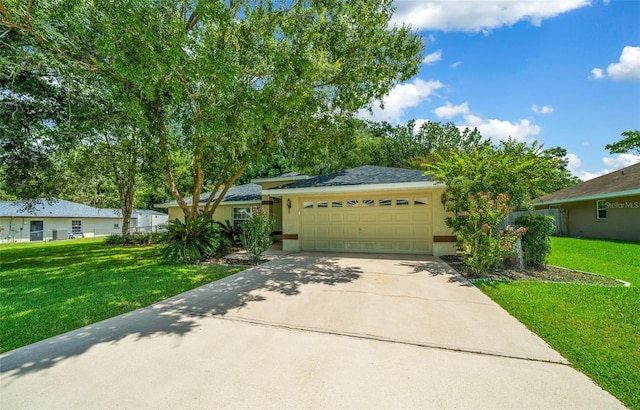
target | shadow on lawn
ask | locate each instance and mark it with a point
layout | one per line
(178, 315)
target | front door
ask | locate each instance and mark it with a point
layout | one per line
(37, 230)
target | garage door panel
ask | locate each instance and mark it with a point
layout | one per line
(399, 229)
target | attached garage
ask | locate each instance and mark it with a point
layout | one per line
(366, 209)
(366, 223)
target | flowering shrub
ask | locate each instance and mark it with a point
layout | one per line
(481, 244)
(256, 233)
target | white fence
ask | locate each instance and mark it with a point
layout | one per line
(48, 234)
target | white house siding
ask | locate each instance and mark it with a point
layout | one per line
(18, 228)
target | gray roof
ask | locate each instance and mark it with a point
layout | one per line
(54, 208)
(625, 181)
(240, 193)
(367, 174)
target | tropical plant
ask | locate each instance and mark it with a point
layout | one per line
(256, 233)
(535, 242)
(230, 231)
(191, 240)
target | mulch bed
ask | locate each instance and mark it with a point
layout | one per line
(541, 274)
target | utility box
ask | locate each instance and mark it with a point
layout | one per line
(59, 234)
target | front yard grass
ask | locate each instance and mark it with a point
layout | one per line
(51, 288)
(596, 328)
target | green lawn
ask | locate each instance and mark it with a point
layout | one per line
(596, 328)
(50, 288)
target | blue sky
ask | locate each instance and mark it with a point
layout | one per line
(562, 72)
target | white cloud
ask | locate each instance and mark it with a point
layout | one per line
(627, 67)
(544, 110)
(500, 130)
(610, 164)
(597, 74)
(431, 38)
(402, 96)
(432, 58)
(477, 16)
(449, 110)
(456, 64)
(621, 161)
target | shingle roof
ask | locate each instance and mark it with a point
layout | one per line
(240, 193)
(623, 181)
(367, 174)
(55, 208)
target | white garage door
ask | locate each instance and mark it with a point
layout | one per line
(380, 223)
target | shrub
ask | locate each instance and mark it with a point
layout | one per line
(191, 240)
(230, 231)
(256, 233)
(535, 243)
(481, 244)
(115, 240)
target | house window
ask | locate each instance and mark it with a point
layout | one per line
(116, 226)
(322, 204)
(601, 210)
(352, 203)
(402, 202)
(336, 204)
(384, 202)
(307, 204)
(241, 215)
(368, 202)
(76, 227)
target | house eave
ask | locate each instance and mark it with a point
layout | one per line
(618, 194)
(280, 179)
(167, 205)
(352, 188)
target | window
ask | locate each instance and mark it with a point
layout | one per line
(336, 204)
(322, 204)
(352, 203)
(307, 204)
(601, 209)
(368, 202)
(384, 202)
(402, 202)
(241, 215)
(420, 201)
(116, 226)
(76, 227)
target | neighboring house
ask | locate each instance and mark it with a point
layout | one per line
(54, 219)
(607, 207)
(366, 209)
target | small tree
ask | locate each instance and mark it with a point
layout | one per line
(256, 233)
(535, 243)
(482, 245)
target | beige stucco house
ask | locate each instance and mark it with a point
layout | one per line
(365, 209)
(607, 207)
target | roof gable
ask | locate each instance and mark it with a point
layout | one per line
(624, 181)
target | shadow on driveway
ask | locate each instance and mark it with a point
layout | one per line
(175, 316)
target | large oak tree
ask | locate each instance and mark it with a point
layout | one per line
(230, 81)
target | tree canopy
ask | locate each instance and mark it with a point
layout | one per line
(629, 144)
(226, 83)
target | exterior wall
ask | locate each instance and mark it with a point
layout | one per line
(91, 227)
(148, 222)
(623, 219)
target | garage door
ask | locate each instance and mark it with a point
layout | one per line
(381, 223)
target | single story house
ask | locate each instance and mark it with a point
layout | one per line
(57, 218)
(365, 209)
(607, 207)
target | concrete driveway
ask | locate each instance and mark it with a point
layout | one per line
(305, 331)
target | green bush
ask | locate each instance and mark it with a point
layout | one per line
(191, 240)
(230, 231)
(115, 240)
(256, 233)
(135, 239)
(535, 242)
